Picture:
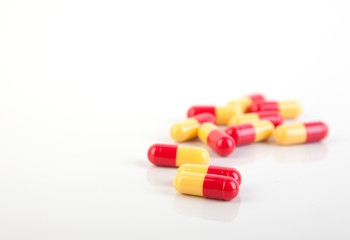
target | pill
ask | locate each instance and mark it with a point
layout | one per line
(247, 101)
(188, 129)
(216, 170)
(274, 117)
(247, 133)
(222, 113)
(175, 156)
(206, 185)
(288, 109)
(300, 133)
(217, 139)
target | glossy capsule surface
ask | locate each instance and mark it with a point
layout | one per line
(175, 156)
(300, 133)
(288, 109)
(247, 133)
(274, 117)
(188, 129)
(217, 139)
(221, 113)
(247, 101)
(216, 170)
(206, 185)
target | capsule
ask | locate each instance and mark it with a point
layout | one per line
(206, 185)
(221, 113)
(274, 117)
(188, 129)
(300, 133)
(217, 139)
(247, 101)
(216, 170)
(288, 109)
(175, 156)
(248, 133)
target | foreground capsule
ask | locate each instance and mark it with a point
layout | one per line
(300, 133)
(175, 156)
(221, 113)
(206, 185)
(217, 139)
(247, 133)
(288, 109)
(247, 101)
(188, 129)
(274, 117)
(216, 170)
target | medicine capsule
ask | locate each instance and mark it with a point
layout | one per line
(188, 129)
(206, 185)
(216, 170)
(274, 117)
(217, 139)
(300, 133)
(221, 113)
(288, 109)
(175, 156)
(247, 133)
(247, 101)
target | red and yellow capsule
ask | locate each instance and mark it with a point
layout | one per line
(221, 113)
(175, 156)
(206, 185)
(300, 133)
(216, 170)
(274, 117)
(288, 109)
(247, 101)
(217, 139)
(188, 129)
(247, 133)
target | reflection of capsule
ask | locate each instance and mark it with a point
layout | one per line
(300, 133)
(206, 185)
(174, 155)
(274, 117)
(217, 170)
(217, 139)
(247, 133)
(247, 101)
(188, 129)
(222, 113)
(288, 109)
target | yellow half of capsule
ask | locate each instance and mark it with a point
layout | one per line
(290, 134)
(193, 168)
(189, 183)
(289, 109)
(185, 130)
(244, 118)
(263, 130)
(224, 113)
(195, 155)
(244, 102)
(205, 130)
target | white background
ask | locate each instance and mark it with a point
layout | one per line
(87, 86)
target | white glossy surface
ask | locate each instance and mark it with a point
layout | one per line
(87, 87)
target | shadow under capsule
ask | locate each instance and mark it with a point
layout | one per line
(209, 209)
(161, 176)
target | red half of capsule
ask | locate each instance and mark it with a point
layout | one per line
(257, 98)
(162, 154)
(222, 143)
(242, 133)
(205, 117)
(220, 187)
(315, 131)
(264, 106)
(225, 171)
(200, 109)
(274, 117)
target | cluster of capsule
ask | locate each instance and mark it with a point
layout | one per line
(249, 119)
